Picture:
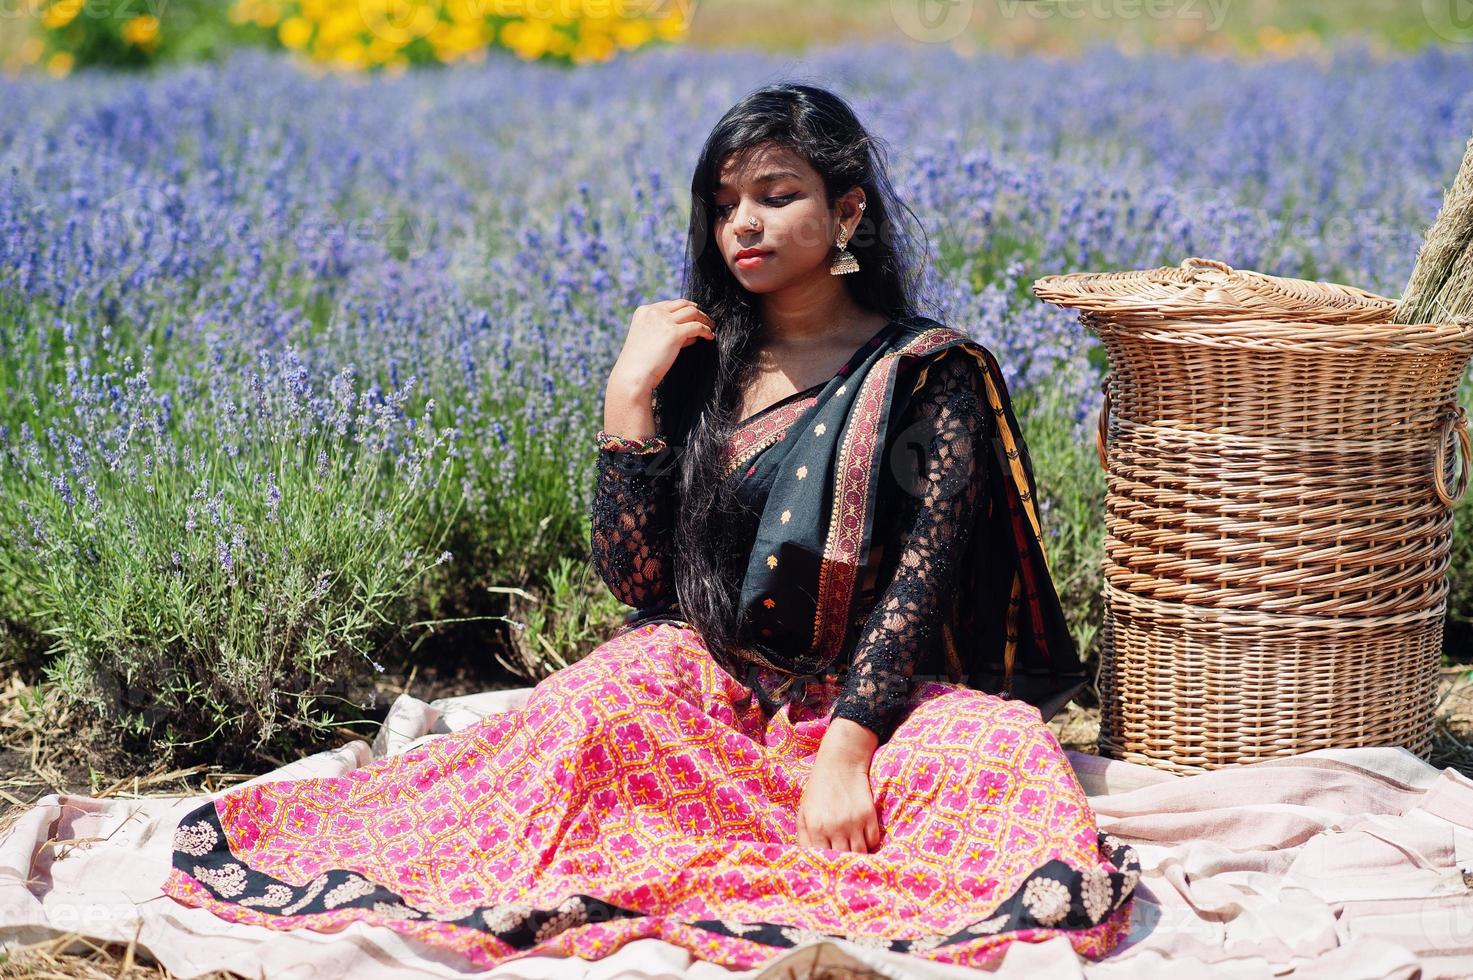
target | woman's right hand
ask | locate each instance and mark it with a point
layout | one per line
(657, 333)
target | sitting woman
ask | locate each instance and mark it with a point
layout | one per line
(825, 716)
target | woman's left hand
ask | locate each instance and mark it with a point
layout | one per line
(837, 809)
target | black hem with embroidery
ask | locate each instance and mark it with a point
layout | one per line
(1054, 895)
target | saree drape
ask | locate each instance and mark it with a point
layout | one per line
(821, 458)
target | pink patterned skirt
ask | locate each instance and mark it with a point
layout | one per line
(641, 793)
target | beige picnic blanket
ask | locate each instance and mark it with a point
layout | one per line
(1342, 864)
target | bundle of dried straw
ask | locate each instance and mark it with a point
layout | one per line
(1441, 287)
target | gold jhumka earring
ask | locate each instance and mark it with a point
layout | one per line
(845, 260)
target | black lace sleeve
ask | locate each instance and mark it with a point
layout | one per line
(633, 524)
(947, 422)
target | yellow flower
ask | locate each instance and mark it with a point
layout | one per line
(143, 29)
(61, 13)
(268, 13)
(673, 25)
(341, 27)
(633, 33)
(295, 32)
(560, 13)
(529, 39)
(592, 47)
(60, 63)
(465, 11)
(399, 21)
(351, 55)
(381, 51)
(467, 37)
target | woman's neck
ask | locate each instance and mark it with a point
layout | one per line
(814, 317)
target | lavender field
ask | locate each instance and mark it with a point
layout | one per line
(291, 366)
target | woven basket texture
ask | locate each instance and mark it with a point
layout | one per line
(1281, 466)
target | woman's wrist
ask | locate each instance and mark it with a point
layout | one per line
(626, 390)
(847, 745)
(628, 410)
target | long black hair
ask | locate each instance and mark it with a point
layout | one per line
(698, 401)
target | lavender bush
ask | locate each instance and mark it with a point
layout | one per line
(214, 563)
(271, 345)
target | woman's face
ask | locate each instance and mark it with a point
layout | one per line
(794, 230)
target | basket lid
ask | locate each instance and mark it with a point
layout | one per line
(1205, 289)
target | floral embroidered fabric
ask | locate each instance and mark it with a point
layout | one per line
(639, 794)
(930, 491)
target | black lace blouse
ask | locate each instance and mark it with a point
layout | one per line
(926, 511)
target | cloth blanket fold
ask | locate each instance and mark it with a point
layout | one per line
(1347, 863)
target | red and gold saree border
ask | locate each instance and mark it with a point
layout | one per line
(751, 438)
(839, 569)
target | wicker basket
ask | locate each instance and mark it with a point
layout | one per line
(1279, 472)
